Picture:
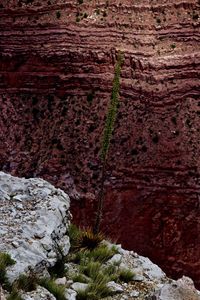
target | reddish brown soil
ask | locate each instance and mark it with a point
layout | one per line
(56, 69)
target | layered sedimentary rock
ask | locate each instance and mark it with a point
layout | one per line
(56, 69)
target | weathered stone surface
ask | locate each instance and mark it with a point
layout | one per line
(55, 82)
(115, 287)
(143, 269)
(150, 283)
(78, 286)
(61, 281)
(70, 294)
(116, 259)
(35, 217)
(2, 294)
(39, 294)
(182, 289)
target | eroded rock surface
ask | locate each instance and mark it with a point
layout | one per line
(56, 70)
(34, 220)
(182, 289)
(39, 294)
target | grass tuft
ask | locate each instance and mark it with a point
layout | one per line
(89, 240)
(101, 254)
(74, 235)
(26, 283)
(91, 269)
(80, 278)
(57, 290)
(126, 275)
(5, 261)
(14, 296)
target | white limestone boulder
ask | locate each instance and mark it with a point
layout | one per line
(35, 217)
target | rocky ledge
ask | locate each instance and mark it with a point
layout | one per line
(35, 218)
(34, 231)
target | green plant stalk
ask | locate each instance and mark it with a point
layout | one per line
(107, 134)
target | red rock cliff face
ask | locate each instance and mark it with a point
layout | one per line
(56, 69)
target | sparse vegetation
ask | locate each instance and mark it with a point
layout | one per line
(5, 261)
(90, 97)
(93, 267)
(97, 11)
(92, 256)
(14, 296)
(26, 283)
(80, 278)
(102, 253)
(58, 14)
(155, 139)
(108, 131)
(58, 269)
(126, 275)
(90, 240)
(158, 20)
(173, 46)
(57, 290)
(195, 16)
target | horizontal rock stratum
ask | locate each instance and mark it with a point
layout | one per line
(56, 70)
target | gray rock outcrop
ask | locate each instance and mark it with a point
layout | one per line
(182, 289)
(39, 294)
(35, 217)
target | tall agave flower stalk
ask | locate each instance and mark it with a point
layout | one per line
(107, 134)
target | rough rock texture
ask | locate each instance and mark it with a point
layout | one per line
(39, 294)
(56, 70)
(149, 281)
(33, 226)
(182, 289)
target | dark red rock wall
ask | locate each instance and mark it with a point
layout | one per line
(56, 76)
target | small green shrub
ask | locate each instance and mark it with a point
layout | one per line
(126, 275)
(158, 20)
(74, 235)
(90, 97)
(58, 14)
(82, 295)
(89, 240)
(104, 14)
(26, 283)
(80, 278)
(57, 290)
(91, 269)
(79, 256)
(173, 46)
(58, 270)
(97, 11)
(5, 261)
(14, 296)
(99, 287)
(195, 16)
(101, 253)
